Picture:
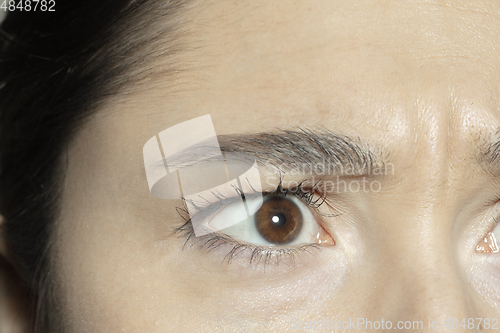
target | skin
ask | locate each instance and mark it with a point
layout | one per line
(416, 80)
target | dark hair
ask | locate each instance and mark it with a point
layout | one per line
(55, 70)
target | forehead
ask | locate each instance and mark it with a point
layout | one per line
(395, 74)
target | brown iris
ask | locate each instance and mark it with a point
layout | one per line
(279, 220)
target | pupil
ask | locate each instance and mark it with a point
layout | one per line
(279, 220)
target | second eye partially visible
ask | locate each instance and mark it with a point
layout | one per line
(489, 244)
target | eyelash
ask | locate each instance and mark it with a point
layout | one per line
(260, 254)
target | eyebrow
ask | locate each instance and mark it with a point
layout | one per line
(306, 150)
(491, 155)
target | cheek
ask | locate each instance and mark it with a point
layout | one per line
(116, 277)
(484, 276)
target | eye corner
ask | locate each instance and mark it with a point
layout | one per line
(324, 238)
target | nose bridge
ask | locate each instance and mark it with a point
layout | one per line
(426, 281)
(432, 287)
(438, 294)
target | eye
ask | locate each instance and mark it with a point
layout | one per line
(266, 227)
(489, 244)
(280, 221)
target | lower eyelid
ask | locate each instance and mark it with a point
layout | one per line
(231, 250)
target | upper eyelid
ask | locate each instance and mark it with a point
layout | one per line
(215, 206)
